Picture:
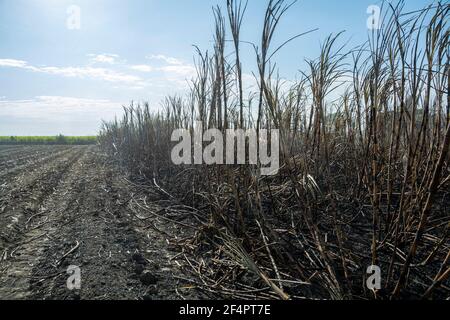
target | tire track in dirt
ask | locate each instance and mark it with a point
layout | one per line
(27, 184)
(14, 154)
(20, 241)
(31, 163)
(93, 214)
(9, 150)
(82, 214)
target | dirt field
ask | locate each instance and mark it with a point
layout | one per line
(66, 206)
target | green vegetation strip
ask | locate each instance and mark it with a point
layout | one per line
(48, 140)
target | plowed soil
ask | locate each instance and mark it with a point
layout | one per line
(67, 206)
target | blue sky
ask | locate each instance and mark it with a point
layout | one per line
(54, 79)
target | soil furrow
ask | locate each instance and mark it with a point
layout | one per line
(73, 209)
(19, 241)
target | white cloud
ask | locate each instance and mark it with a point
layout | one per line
(181, 70)
(77, 72)
(171, 73)
(172, 67)
(57, 103)
(90, 72)
(165, 78)
(143, 68)
(107, 58)
(72, 102)
(166, 59)
(12, 63)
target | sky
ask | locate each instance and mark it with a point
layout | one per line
(66, 65)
